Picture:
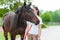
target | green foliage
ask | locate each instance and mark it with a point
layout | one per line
(55, 15)
(13, 4)
(1, 36)
(43, 25)
(16, 5)
(6, 1)
(1, 14)
(1, 22)
(46, 17)
(3, 11)
(2, 1)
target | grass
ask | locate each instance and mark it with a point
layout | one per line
(2, 36)
(1, 21)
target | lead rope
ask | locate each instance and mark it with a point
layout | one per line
(28, 29)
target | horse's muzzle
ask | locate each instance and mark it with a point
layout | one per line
(37, 22)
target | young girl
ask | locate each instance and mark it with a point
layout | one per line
(33, 32)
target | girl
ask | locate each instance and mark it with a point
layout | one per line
(33, 32)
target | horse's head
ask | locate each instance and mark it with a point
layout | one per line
(26, 12)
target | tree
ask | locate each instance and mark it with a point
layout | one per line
(10, 5)
(56, 16)
(46, 17)
(16, 5)
(3, 11)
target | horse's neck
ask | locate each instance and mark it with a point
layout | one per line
(20, 20)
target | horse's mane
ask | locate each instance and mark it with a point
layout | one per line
(17, 16)
(18, 10)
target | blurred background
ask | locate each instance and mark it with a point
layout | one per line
(49, 12)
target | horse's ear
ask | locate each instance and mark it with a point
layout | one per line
(30, 4)
(24, 3)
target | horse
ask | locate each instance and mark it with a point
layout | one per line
(16, 22)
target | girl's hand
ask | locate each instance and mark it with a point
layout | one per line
(25, 37)
(38, 37)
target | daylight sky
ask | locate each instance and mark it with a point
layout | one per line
(47, 4)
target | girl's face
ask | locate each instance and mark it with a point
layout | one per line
(35, 11)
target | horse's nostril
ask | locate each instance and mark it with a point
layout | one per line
(37, 22)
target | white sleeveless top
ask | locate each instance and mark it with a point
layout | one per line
(34, 28)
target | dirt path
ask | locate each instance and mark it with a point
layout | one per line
(1, 30)
(51, 33)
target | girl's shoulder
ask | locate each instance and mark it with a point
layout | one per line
(39, 17)
(29, 23)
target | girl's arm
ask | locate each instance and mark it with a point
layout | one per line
(39, 31)
(27, 30)
(25, 33)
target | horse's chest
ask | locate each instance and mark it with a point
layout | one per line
(20, 30)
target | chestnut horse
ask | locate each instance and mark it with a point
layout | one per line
(15, 22)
